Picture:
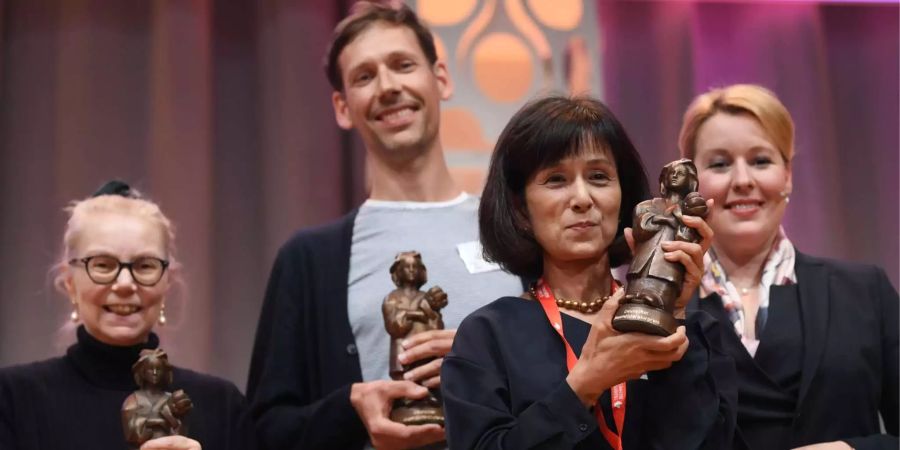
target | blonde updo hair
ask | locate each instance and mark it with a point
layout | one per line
(757, 101)
(131, 203)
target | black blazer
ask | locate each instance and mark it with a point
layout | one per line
(849, 315)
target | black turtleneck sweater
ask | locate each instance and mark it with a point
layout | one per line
(74, 402)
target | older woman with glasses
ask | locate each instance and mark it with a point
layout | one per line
(117, 268)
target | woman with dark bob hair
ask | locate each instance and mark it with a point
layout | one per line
(546, 370)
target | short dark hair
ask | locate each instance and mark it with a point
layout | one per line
(362, 15)
(542, 133)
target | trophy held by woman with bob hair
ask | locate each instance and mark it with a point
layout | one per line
(655, 282)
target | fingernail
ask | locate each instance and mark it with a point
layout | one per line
(407, 375)
(405, 343)
(402, 358)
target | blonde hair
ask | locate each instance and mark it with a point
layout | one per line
(757, 101)
(134, 205)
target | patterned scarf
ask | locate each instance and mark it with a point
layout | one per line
(778, 270)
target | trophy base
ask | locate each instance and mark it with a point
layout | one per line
(643, 319)
(417, 414)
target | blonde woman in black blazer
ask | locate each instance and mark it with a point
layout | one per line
(814, 340)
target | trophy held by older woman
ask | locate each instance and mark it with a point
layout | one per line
(151, 412)
(655, 283)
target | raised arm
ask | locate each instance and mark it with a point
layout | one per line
(396, 319)
(477, 405)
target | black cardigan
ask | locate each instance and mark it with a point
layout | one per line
(849, 322)
(304, 357)
(74, 402)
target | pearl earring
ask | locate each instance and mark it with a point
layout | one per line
(786, 196)
(162, 315)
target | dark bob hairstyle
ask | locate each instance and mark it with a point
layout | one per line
(541, 134)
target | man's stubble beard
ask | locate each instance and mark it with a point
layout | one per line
(400, 152)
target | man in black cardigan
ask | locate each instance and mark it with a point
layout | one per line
(315, 378)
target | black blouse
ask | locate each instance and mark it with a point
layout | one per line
(837, 331)
(504, 387)
(769, 381)
(74, 402)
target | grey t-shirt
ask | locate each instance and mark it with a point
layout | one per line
(435, 229)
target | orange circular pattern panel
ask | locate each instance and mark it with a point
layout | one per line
(444, 12)
(461, 130)
(503, 67)
(559, 14)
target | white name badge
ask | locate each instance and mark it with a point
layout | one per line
(471, 254)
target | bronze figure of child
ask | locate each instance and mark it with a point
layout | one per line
(654, 283)
(151, 412)
(408, 311)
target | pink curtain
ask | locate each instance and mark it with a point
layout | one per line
(835, 66)
(221, 112)
(218, 110)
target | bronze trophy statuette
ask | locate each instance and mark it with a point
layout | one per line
(654, 284)
(408, 311)
(151, 412)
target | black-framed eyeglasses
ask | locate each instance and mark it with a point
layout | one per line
(105, 269)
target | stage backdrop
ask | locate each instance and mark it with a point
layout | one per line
(220, 111)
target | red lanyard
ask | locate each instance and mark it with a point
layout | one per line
(548, 303)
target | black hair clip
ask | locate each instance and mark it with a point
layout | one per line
(115, 187)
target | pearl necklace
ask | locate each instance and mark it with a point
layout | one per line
(576, 305)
